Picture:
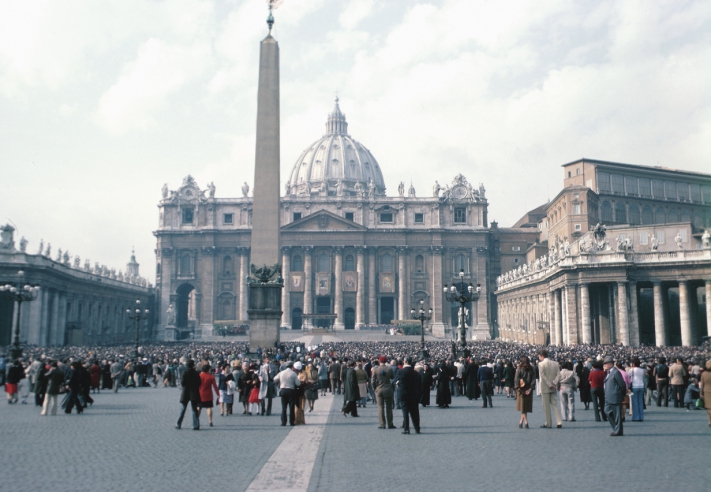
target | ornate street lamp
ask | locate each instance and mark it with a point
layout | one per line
(20, 293)
(137, 318)
(463, 295)
(420, 315)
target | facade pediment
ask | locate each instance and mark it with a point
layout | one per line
(323, 220)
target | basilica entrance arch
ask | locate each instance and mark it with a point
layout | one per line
(185, 307)
(349, 321)
(296, 319)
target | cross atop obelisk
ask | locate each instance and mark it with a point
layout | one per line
(265, 288)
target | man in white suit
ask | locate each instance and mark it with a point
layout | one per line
(549, 374)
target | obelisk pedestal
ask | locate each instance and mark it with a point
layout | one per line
(265, 288)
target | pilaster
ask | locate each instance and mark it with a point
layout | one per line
(338, 288)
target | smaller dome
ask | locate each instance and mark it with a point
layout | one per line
(335, 164)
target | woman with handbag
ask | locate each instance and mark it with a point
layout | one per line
(312, 392)
(524, 383)
(705, 389)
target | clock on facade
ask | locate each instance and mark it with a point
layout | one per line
(459, 192)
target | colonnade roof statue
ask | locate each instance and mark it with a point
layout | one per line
(337, 163)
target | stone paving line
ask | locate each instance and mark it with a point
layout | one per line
(289, 467)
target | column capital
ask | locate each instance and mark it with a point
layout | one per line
(360, 249)
(307, 249)
(285, 250)
(338, 249)
(401, 249)
(244, 251)
(437, 250)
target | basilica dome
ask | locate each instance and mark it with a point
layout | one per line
(336, 164)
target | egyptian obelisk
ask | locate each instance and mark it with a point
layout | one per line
(265, 288)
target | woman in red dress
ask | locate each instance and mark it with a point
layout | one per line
(207, 385)
(254, 400)
(95, 373)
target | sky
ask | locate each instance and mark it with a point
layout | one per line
(103, 102)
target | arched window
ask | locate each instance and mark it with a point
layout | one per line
(419, 264)
(349, 264)
(673, 215)
(620, 213)
(660, 217)
(324, 263)
(297, 264)
(634, 214)
(386, 263)
(685, 216)
(647, 216)
(460, 263)
(227, 265)
(606, 212)
(226, 310)
(186, 264)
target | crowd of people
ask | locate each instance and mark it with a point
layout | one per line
(613, 379)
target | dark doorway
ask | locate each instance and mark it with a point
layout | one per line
(323, 306)
(387, 310)
(674, 328)
(645, 308)
(7, 309)
(349, 320)
(296, 319)
(184, 309)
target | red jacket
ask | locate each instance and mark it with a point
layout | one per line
(597, 378)
(207, 383)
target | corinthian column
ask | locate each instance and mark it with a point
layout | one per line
(338, 289)
(623, 334)
(286, 293)
(660, 327)
(360, 295)
(243, 288)
(438, 328)
(402, 305)
(684, 318)
(308, 285)
(372, 304)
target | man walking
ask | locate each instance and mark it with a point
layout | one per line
(661, 374)
(549, 374)
(677, 376)
(410, 393)
(116, 372)
(615, 391)
(381, 381)
(334, 373)
(190, 382)
(485, 378)
(288, 381)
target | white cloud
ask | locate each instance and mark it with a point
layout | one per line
(355, 11)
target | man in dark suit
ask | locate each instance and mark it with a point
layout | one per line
(615, 391)
(190, 382)
(409, 395)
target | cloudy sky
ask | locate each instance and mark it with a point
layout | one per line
(103, 102)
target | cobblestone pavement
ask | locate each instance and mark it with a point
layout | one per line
(127, 441)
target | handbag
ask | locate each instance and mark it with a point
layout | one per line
(699, 403)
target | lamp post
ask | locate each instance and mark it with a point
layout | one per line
(463, 295)
(420, 315)
(137, 315)
(19, 293)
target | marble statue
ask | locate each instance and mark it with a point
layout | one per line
(59, 255)
(23, 244)
(77, 262)
(705, 240)
(211, 189)
(41, 247)
(463, 315)
(436, 189)
(678, 240)
(655, 243)
(482, 190)
(164, 191)
(411, 191)
(48, 251)
(339, 188)
(287, 188)
(119, 277)
(245, 189)
(401, 189)
(65, 258)
(371, 188)
(358, 189)
(87, 265)
(170, 316)
(566, 247)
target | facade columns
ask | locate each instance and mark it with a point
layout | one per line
(634, 315)
(707, 284)
(483, 330)
(558, 318)
(585, 313)
(338, 288)
(403, 306)
(660, 325)
(684, 315)
(243, 288)
(438, 328)
(571, 309)
(285, 294)
(623, 334)
(360, 295)
(372, 299)
(308, 286)
(552, 334)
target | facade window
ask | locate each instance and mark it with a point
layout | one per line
(682, 190)
(603, 182)
(673, 215)
(578, 227)
(618, 183)
(188, 213)
(695, 191)
(661, 237)
(645, 187)
(577, 208)
(670, 189)
(186, 263)
(349, 216)
(685, 216)
(620, 213)
(324, 263)
(606, 212)
(643, 238)
(660, 217)
(386, 263)
(633, 214)
(349, 263)
(647, 216)
(419, 218)
(460, 263)
(631, 185)
(297, 216)
(227, 265)
(297, 264)
(682, 233)
(419, 264)
(386, 217)
(226, 311)
(706, 192)
(577, 171)
(658, 188)
(515, 248)
(227, 218)
(460, 215)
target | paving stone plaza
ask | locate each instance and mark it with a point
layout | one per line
(127, 441)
